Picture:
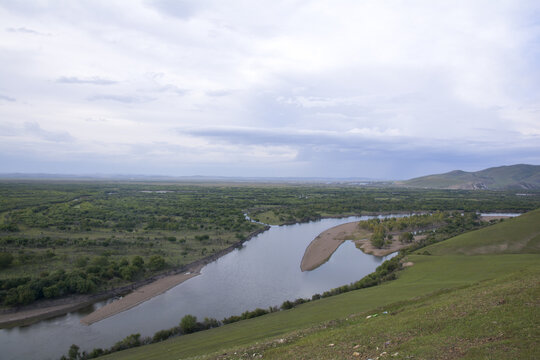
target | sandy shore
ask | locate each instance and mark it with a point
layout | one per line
(396, 245)
(324, 245)
(497, 217)
(29, 316)
(139, 296)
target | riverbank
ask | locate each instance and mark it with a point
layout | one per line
(140, 295)
(51, 308)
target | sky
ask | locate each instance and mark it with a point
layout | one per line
(382, 89)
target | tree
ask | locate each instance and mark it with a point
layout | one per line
(287, 305)
(128, 272)
(188, 324)
(406, 237)
(156, 262)
(138, 261)
(73, 352)
(5, 260)
(26, 294)
(377, 238)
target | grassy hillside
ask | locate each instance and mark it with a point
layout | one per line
(525, 177)
(491, 320)
(448, 306)
(517, 235)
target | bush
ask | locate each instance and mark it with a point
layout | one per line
(406, 237)
(128, 342)
(162, 335)
(209, 323)
(188, 324)
(156, 262)
(287, 305)
(137, 262)
(73, 352)
(5, 260)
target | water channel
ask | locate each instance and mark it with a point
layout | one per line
(264, 272)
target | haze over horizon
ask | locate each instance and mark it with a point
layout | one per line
(372, 89)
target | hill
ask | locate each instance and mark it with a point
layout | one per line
(513, 177)
(452, 305)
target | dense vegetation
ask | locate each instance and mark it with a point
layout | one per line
(76, 238)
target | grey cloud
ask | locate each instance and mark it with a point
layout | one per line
(7, 98)
(173, 89)
(369, 141)
(219, 93)
(35, 129)
(121, 98)
(182, 9)
(294, 138)
(24, 31)
(93, 80)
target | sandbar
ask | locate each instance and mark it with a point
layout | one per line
(140, 295)
(327, 242)
(324, 245)
(26, 317)
(494, 217)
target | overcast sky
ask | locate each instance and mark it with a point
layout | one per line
(377, 89)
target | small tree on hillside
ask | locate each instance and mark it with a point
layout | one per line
(188, 324)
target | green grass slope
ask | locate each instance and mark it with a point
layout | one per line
(512, 236)
(497, 178)
(436, 310)
(496, 319)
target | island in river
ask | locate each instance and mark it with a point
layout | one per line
(327, 242)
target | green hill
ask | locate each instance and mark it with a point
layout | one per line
(513, 236)
(452, 305)
(525, 177)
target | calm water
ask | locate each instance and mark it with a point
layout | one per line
(265, 272)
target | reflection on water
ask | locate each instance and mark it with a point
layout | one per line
(264, 272)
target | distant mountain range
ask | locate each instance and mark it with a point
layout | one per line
(191, 178)
(526, 177)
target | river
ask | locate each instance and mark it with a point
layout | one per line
(264, 272)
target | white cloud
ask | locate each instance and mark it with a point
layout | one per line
(460, 76)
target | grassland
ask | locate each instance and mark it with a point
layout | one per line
(444, 307)
(519, 235)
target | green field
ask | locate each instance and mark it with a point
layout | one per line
(446, 306)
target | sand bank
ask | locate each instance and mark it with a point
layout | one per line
(324, 245)
(139, 296)
(26, 317)
(494, 217)
(159, 286)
